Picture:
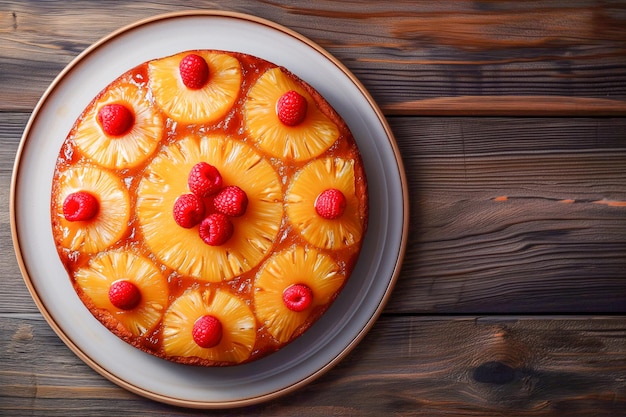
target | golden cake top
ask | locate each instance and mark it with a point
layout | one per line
(209, 206)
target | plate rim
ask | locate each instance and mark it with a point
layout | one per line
(100, 369)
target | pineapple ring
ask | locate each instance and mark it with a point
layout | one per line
(165, 179)
(304, 141)
(111, 221)
(204, 105)
(310, 182)
(297, 265)
(238, 326)
(108, 267)
(130, 149)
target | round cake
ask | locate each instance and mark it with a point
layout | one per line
(209, 207)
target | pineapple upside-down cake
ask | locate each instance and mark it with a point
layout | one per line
(209, 207)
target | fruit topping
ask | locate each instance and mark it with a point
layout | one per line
(185, 251)
(199, 87)
(129, 286)
(291, 108)
(121, 128)
(282, 127)
(311, 207)
(216, 229)
(330, 204)
(204, 180)
(194, 71)
(289, 287)
(124, 295)
(102, 221)
(116, 119)
(231, 201)
(198, 320)
(297, 297)
(207, 331)
(80, 206)
(188, 210)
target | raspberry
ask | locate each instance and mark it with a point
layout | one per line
(80, 206)
(194, 71)
(188, 210)
(204, 180)
(207, 331)
(231, 201)
(297, 297)
(124, 295)
(116, 119)
(216, 229)
(291, 108)
(330, 204)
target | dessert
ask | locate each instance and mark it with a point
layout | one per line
(209, 207)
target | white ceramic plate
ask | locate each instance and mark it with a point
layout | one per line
(332, 337)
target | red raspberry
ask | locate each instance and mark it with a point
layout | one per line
(116, 119)
(330, 204)
(188, 210)
(80, 206)
(216, 229)
(204, 180)
(207, 331)
(124, 295)
(194, 71)
(297, 297)
(291, 108)
(231, 201)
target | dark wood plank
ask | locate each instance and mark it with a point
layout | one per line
(420, 57)
(11, 129)
(14, 296)
(507, 215)
(514, 215)
(406, 366)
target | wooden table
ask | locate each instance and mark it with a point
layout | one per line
(511, 120)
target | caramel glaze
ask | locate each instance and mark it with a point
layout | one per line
(233, 126)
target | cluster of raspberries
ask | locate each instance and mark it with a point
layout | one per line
(210, 204)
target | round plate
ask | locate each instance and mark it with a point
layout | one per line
(321, 347)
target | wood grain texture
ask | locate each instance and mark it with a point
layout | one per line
(493, 57)
(407, 366)
(514, 215)
(507, 215)
(523, 211)
(514, 220)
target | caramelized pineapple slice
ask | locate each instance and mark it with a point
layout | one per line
(165, 179)
(307, 185)
(238, 326)
(111, 221)
(203, 105)
(107, 268)
(306, 140)
(129, 149)
(297, 265)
